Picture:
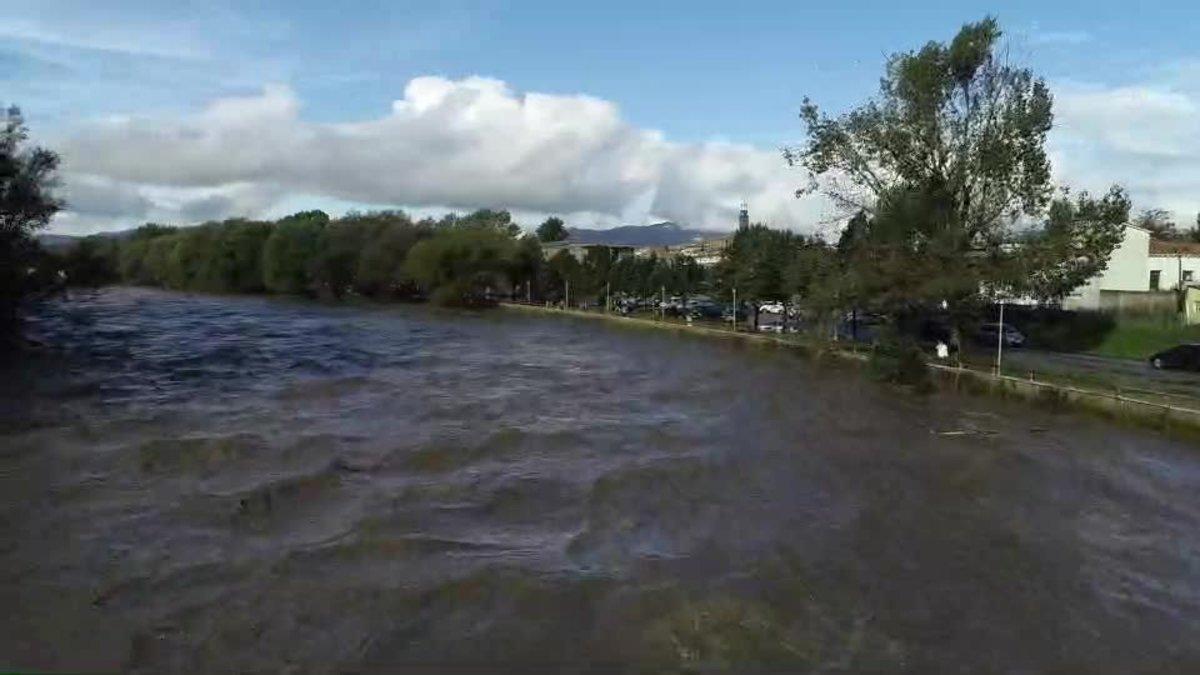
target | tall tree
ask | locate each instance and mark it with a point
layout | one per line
(552, 229)
(27, 178)
(947, 167)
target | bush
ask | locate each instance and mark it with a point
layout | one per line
(1061, 330)
(901, 361)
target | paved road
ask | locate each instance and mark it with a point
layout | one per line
(1127, 373)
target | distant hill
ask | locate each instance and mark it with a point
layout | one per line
(61, 242)
(658, 234)
(57, 243)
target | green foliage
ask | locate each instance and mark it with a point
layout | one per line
(564, 268)
(91, 262)
(1062, 331)
(899, 360)
(290, 254)
(27, 178)
(1138, 338)
(528, 267)
(1072, 246)
(944, 169)
(458, 265)
(552, 229)
(381, 271)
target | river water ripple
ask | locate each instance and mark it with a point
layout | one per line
(197, 483)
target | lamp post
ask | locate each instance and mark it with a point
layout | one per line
(733, 314)
(1000, 340)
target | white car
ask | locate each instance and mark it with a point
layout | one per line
(771, 307)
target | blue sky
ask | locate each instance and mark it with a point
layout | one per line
(696, 84)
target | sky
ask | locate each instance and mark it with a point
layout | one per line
(605, 113)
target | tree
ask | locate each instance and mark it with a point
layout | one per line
(381, 271)
(950, 119)
(527, 267)
(1158, 222)
(241, 244)
(27, 179)
(290, 253)
(458, 265)
(945, 168)
(1072, 246)
(1193, 234)
(339, 250)
(552, 229)
(91, 262)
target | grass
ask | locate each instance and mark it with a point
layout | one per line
(1134, 338)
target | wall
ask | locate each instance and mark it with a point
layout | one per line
(1170, 267)
(1128, 270)
(1139, 302)
(1191, 304)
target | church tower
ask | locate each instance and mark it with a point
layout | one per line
(744, 217)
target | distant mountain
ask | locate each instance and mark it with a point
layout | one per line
(658, 234)
(57, 243)
(61, 242)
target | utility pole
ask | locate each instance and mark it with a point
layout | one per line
(1000, 340)
(733, 314)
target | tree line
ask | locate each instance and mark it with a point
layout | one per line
(455, 260)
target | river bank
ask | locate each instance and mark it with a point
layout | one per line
(1172, 414)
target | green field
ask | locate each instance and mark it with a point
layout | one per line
(1139, 338)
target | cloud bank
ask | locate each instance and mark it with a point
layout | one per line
(472, 143)
(1145, 136)
(453, 144)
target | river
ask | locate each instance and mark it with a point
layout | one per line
(199, 483)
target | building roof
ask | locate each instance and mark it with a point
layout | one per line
(1184, 248)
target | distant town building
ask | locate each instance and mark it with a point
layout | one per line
(1140, 272)
(580, 251)
(706, 252)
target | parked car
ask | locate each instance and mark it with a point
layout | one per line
(771, 308)
(989, 334)
(705, 310)
(1180, 357)
(727, 315)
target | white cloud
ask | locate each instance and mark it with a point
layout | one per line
(458, 144)
(93, 37)
(1060, 37)
(1144, 136)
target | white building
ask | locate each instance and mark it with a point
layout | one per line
(1140, 272)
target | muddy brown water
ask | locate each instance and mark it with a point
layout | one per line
(195, 483)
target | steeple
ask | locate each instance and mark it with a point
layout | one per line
(744, 217)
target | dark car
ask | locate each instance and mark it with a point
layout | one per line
(989, 334)
(1181, 357)
(705, 310)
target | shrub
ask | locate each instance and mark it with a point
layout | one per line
(901, 361)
